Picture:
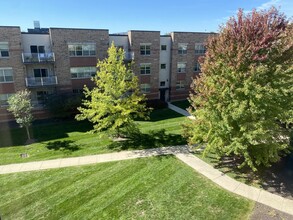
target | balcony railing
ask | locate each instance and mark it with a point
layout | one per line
(129, 56)
(41, 81)
(38, 57)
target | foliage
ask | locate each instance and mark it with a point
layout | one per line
(20, 106)
(115, 101)
(63, 105)
(244, 96)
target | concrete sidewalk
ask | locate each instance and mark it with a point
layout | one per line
(180, 110)
(182, 153)
(91, 159)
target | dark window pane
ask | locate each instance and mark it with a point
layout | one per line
(4, 53)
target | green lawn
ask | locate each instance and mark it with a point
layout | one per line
(184, 104)
(149, 188)
(70, 138)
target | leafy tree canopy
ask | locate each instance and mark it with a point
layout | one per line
(20, 106)
(116, 100)
(243, 99)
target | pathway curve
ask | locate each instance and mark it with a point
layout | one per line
(182, 153)
(180, 110)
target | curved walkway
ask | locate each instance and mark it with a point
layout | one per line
(182, 153)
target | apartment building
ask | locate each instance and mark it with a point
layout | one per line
(63, 60)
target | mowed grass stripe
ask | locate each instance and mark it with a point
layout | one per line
(148, 188)
(73, 192)
(51, 139)
(131, 184)
(90, 190)
(73, 187)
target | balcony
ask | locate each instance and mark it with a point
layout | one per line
(41, 81)
(129, 56)
(38, 57)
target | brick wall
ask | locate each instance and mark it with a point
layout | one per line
(190, 58)
(60, 38)
(12, 35)
(136, 38)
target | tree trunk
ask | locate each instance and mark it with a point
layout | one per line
(28, 132)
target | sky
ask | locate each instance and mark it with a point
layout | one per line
(120, 16)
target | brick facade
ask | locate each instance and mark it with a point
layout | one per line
(60, 38)
(12, 35)
(190, 58)
(152, 38)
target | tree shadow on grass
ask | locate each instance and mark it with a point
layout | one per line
(153, 139)
(277, 179)
(65, 146)
(41, 130)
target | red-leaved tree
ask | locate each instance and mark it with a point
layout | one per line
(243, 99)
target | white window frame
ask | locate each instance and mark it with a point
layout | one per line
(145, 88)
(182, 48)
(164, 65)
(145, 49)
(82, 49)
(145, 69)
(85, 72)
(199, 48)
(181, 69)
(5, 75)
(197, 67)
(165, 46)
(180, 85)
(4, 47)
(4, 98)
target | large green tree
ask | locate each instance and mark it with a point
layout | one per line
(243, 101)
(116, 100)
(20, 106)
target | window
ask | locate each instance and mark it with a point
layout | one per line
(163, 66)
(42, 96)
(197, 67)
(4, 51)
(181, 67)
(163, 47)
(145, 49)
(6, 75)
(145, 68)
(37, 49)
(82, 49)
(145, 88)
(41, 73)
(180, 85)
(4, 98)
(82, 72)
(162, 83)
(199, 48)
(182, 48)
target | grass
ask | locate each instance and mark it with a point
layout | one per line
(149, 188)
(230, 168)
(184, 104)
(70, 138)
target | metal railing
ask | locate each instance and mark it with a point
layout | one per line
(38, 57)
(41, 81)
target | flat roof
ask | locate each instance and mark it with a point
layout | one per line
(10, 27)
(88, 29)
